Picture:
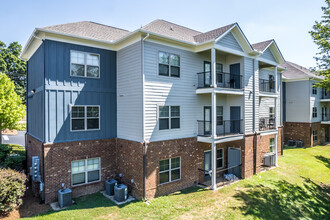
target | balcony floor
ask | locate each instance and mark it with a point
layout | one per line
(220, 91)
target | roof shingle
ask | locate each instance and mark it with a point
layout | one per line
(295, 71)
(213, 34)
(261, 46)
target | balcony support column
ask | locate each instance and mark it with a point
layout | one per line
(214, 165)
(213, 68)
(214, 135)
(276, 115)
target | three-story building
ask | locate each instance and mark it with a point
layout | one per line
(163, 108)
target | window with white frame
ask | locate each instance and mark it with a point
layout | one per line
(168, 64)
(85, 64)
(219, 115)
(271, 112)
(169, 170)
(85, 171)
(315, 135)
(314, 114)
(169, 117)
(220, 158)
(314, 89)
(271, 145)
(85, 118)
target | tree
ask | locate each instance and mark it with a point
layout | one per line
(14, 67)
(11, 108)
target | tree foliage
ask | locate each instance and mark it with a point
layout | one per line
(11, 108)
(14, 67)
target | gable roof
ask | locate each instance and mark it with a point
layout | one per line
(90, 30)
(261, 46)
(295, 71)
(213, 34)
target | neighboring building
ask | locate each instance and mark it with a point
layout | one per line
(305, 108)
(161, 105)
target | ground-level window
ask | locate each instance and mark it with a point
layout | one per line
(85, 171)
(314, 112)
(219, 158)
(85, 118)
(315, 135)
(169, 170)
(271, 145)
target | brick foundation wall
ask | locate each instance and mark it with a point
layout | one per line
(248, 156)
(298, 130)
(317, 127)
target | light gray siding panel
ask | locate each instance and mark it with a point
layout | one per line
(129, 93)
(268, 55)
(248, 101)
(230, 41)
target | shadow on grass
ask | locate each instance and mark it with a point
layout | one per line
(286, 201)
(324, 160)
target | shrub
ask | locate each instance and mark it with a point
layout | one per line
(4, 151)
(12, 156)
(12, 188)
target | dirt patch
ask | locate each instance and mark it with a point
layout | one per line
(9, 132)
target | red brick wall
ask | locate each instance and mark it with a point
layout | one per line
(58, 159)
(298, 130)
(247, 156)
(317, 127)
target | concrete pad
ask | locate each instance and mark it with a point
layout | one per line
(112, 198)
(55, 206)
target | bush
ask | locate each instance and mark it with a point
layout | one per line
(12, 156)
(12, 188)
(20, 126)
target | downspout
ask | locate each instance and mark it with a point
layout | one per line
(145, 146)
(44, 109)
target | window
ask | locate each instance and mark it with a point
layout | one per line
(219, 158)
(314, 89)
(85, 171)
(271, 112)
(314, 112)
(219, 115)
(219, 69)
(271, 145)
(169, 170)
(315, 135)
(271, 82)
(169, 117)
(85, 64)
(168, 64)
(85, 118)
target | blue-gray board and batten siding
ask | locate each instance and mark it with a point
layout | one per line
(62, 90)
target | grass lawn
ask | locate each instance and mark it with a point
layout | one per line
(298, 189)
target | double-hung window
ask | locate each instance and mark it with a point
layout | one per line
(169, 117)
(314, 114)
(271, 145)
(314, 89)
(315, 135)
(85, 171)
(271, 112)
(169, 170)
(219, 115)
(168, 64)
(85, 64)
(220, 158)
(85, 118)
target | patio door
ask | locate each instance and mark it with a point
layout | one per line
(207, 73)
(207, 120)
(234, 160)
(207, 164)
(235, 117)
(235, 76)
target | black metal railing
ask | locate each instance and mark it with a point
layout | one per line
(325, 117)
(325, 94)
(225, 127)
(266, 123)
(223, 80)
(266, 85)
(221, 177)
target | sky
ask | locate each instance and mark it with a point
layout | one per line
(286, 21)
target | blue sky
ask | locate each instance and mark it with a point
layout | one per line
(286, 21)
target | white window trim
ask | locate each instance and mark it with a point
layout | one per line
(169, 170)
(85, 118)
(272, 145)
(223, 160)
(169, 65)
(272, 115)
(223, 121)
(315, 131)
(314, 89)
(85, 64)
(169, 117)
(314, 112)
(86, 172)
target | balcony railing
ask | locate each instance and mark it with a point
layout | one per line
(266, 123)
(224, 80)
(266, 85)
(325, 95)
(325, 117)
(225, 127)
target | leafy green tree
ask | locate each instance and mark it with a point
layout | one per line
(14, 67)
(11, 108)
(321, 36)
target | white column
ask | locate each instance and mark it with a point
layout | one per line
(275, 109)
(214, 165)
(213, 68)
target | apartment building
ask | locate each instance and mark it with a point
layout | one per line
(305, 107)
(162, 108)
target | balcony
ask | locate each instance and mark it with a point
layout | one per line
(225, 82)
(266, 86)
(266, 123)
(325, 119)
(224, 128)
(325, 96)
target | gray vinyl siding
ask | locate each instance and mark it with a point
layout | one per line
(256, 104)
(129, 93)
(248, 100)
(315, 102)
(35, 103)
(62, 90)
(264, 74)
(229, 41)
(268, 55)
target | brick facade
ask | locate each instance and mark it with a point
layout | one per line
(125, 157)
(304, 131)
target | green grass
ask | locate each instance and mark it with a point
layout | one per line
(297, 189)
